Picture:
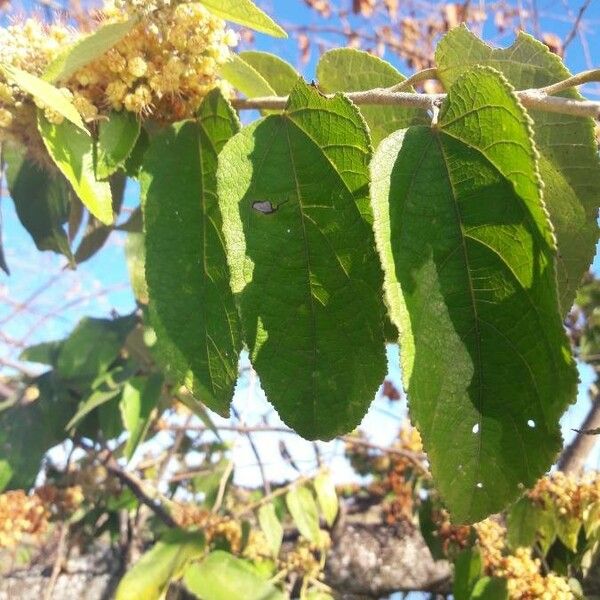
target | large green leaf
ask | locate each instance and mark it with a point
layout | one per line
(350, 70)
(150, 576)
(244, 12)
(280, 75)
(569, 163)
(297, 224)
(470, 278)
(45, 94)
(191, 305)
(271, 527)
(42, 201)
(222, 576)
(245, 78)
(73, 153)
(88, 49)
(117, 137)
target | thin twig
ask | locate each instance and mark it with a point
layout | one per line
(58, 560)
(571, 82)
(576, 24)
(419, 77)
(222, 487)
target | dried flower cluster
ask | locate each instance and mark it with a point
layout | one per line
(162, 69)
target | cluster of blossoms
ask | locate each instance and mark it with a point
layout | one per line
(523, 573)
(163, 68)
(569, 494)
(20, 516)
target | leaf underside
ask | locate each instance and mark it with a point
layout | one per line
(293, 190)
(191, 305)
(470, 277)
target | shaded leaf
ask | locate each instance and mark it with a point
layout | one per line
(271, 527)
(569, 163)
(88, 49)
(244, 12)
(73, 154)
(523, 522)
(208, 484)
(192, 308)
(351, 70)
(306, 275)
(490, 588)
(470, 278)
(303, 508)
(45, 353)
(468, 569)
(45, 94)
(42, 202)
(117, 138)
(567, 530)
(135, 253)
(150, 576)
(222, 576)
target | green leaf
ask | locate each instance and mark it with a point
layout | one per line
(279, 74)
(92, 347)
(244, 12)
(297, 225)
(117, 138)
(470, 280)
(327, 496)
(245, 78)
(135, 253)
(351, 70)
(546, 530)
(222, 576)
(45, 353)
(591, 519)
(191, 305)
(73, 154)
(96, 399)
(150, 576)
(88, 49)
(567, 530)
(42, 202)
(140, 397)
(523, 522)
(46, 94)
(271, 527)
(569, 163)
(490, 588)
(468, 568)
(208, 484)
(6, 474)
(304, 511)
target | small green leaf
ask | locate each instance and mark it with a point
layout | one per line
(327, 496)
(45, 93)
(490, 588)
(96, 399)
(304, 511)
(117, 138)
(6, 474)
(222, 576)
(523, 523)
(546, 529)
(244, 12)
(469, 258)
(150, 576)
(297, 225)
(278, 73)
(191, 306)
(351, 70)
(591, 519)
(73, 154)
(139, 398)
(468, 568)
(569, 163)
(87, 50)
(42, 202)
(245, 78)
(45, 353)
(271, 527)
(567, 530)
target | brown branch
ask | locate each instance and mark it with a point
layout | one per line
(573, 458)
(58, 560)
(576, 24)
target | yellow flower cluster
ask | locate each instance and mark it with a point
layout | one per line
(21, 515)
(571, 495)
(165, 66)
(522, 572)
(162, 69)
